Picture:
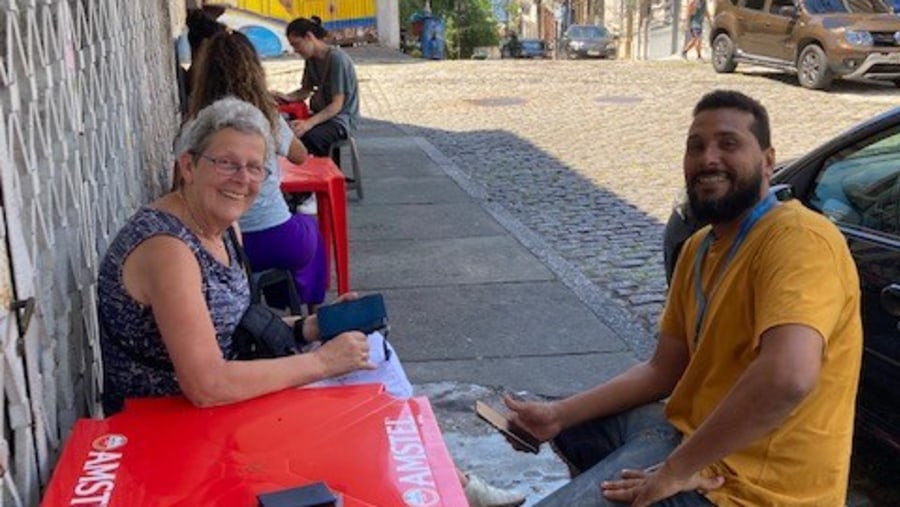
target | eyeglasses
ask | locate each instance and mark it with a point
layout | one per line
(226, 167)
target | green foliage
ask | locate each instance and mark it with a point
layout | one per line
(468, 23)
(407, 9)
(513, 13)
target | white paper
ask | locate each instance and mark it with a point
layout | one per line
(388, 372)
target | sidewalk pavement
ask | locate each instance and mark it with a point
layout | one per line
(478, 304)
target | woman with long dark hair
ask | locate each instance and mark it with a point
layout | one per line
(329, 81)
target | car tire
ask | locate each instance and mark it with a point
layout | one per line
(812, 68)
(723, 54)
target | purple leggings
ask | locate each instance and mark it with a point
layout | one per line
(295, 245)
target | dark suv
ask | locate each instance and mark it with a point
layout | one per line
(817, 39)
(855, 181)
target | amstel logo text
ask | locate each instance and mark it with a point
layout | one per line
(410, 462)
(98, 474)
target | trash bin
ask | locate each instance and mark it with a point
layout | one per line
(432, 38)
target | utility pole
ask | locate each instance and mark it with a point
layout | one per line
(629, 28)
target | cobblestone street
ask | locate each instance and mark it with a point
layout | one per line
(587, 154)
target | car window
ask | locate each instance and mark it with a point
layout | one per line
(860, 186)
(778, 4)
(841, 6)
(755, 5)
(586, 32)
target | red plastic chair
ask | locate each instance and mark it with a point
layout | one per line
(321, 176)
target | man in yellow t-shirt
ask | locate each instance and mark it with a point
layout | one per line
(759, 351)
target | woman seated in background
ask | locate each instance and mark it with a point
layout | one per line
(329, 82)
(200, 27)
(273, 237)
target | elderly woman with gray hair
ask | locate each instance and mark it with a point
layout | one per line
(172, 289)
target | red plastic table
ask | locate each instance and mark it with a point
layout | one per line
(375, 450)
(321, 176)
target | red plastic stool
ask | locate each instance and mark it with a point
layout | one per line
(321, 176)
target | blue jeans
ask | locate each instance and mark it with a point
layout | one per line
(598, 450)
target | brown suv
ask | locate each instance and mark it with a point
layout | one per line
(817, 39)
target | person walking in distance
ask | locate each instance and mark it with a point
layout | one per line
(696, 13)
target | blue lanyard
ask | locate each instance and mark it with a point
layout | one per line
(761, 208)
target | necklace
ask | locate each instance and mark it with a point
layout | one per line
(204, 236)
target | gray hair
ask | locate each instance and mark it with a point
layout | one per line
(228, 112)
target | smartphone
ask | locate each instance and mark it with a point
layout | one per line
(523, 438)
(312, 495)
(366, 314)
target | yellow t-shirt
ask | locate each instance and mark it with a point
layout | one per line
(794, 267)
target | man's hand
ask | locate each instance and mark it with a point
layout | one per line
(301, 127)
(640, 488)
(541, 419)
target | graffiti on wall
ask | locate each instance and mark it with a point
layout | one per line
(348, 21)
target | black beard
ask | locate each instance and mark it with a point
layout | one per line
(729, 207)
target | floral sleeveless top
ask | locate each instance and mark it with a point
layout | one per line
(135, 361)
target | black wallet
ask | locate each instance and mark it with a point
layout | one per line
(366, 314)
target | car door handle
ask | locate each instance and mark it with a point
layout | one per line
(890, 299)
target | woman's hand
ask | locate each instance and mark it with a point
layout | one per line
(311, 323)
(541, 419)
(345, 353)
(347, 296)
